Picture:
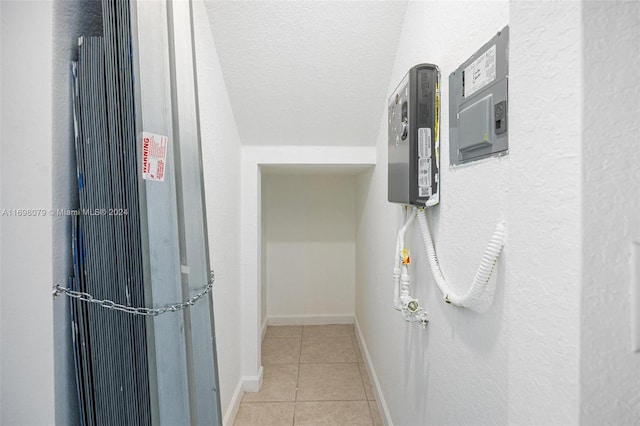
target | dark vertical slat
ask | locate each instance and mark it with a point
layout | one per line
(111, 353)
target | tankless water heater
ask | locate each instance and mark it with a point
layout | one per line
(414, 120)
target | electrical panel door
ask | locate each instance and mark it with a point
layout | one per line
(478, 103)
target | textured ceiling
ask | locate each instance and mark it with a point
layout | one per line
(307, 72)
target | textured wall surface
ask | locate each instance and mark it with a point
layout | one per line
(610, 372)
(456, 371)
(544, 248)
(306, 72)
(517, 363)
(310, 245)
(27, 356)
(221, 158)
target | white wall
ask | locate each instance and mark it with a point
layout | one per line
(517, 363)
(310, 245)
(610, 371)
(455, 371)
(27, 354)
(263, 258)
(545, 230)
(221, 159)
(255, 159)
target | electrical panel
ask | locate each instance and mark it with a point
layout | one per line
(414, 161)
(478, 103)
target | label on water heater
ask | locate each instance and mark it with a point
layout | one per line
(154, 156)
(424, 162)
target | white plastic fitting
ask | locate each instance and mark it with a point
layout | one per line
(396, 289)
(402, 299)
(409, 303)
(405, 282)
(422, 317)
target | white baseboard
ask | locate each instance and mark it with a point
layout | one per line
(252, 383)
(246, 384)
(382, 404)
(234, 405)
(310, 319)
(264, 328)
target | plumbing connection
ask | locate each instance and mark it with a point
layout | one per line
(478, 297)
(402, 298)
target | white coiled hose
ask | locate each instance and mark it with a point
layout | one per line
(477, 297)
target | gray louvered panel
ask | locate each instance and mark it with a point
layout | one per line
(194, 250)
(158, 200)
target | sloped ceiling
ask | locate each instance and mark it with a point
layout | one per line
(307, 72)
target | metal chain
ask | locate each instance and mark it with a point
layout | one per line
(151, 312)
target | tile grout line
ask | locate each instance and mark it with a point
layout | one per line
(295, 399)
(311, 400)
(356, 362)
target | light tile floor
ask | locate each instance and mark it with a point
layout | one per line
(313, 375)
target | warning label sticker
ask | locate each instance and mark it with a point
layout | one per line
(481, 72)
(154, 156)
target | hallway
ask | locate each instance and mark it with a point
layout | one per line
(295, 121)
(313, 374)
